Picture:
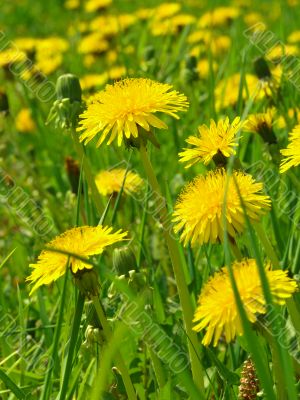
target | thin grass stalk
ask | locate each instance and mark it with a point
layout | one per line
(184, 296)
(72, 345)
(120, 362)
(88, 173)
(285, 378)
(54, 358)
(158, 368)
(267, 245)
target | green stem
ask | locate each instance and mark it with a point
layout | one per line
(235, 250)
(267, 245)
(73, 340)
(294, 314)
(88, 173)
(184, 296)
(277, 366)
(48, 383)
(158, 368)
(120, 362)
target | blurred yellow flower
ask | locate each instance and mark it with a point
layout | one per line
(11, 56)
(292, 152)
(199, 211)
(111, 181)
(94, 5)
(122, 108)
(203, 68)
(227, 90)
(24, 121)
(217, 311)
(216, 140)
(262, 123)
(166, 10)
(72, 4)
(91, 81)
(82, 242)
(93, 43)
(218, 16)
(294, 37)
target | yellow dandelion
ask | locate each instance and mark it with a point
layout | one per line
(218, 17)
(111, 181)
(199, 211)
(24, 121)
(204, 66)
(294, 37)
(292, 153)
(93, 43)
(122, 108)
(216, 140)
(94, 5)
(11, 56)
(262, 123)
(83, 242)
(166, 10)
(217, 311)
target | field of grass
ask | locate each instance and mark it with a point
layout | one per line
(194, 291)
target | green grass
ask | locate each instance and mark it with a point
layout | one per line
(45, 350)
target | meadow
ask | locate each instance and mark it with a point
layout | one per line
(149, 199)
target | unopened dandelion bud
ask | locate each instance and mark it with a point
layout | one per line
(261, 68)
(124, 260)
(87, 282)
(68, 87)
(93, 335)
(137, 280)
(67, 107)
(249, 387)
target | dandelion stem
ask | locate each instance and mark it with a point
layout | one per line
(158, 368)
(235, 250)
(184, 296)
(87, 172)
(277, 366)
(120, 362)
(267, 245)
(72, 345)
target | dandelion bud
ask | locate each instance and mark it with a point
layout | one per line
(124, 260)
(137, 280)
(68, 87)
(249, 387)
(261, 68)
(87, 282)
(67, 107)
(93, 335)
